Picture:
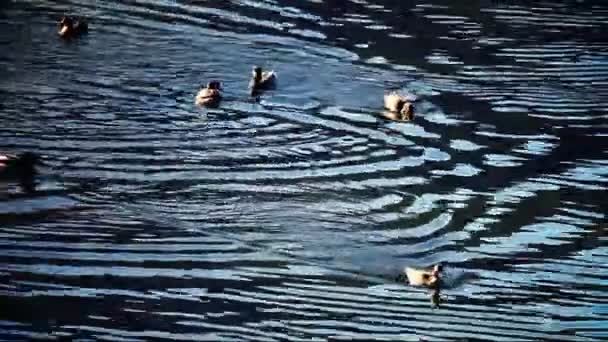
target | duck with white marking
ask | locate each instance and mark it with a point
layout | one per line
(262, 80)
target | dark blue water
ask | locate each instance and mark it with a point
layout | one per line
(289, 218)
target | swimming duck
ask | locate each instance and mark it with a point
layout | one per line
(262, 80)
(210, 95)
(69, 28)
(21, 168)
(429, 278)
(399, 104)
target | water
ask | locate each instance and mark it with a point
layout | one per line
(290, 218)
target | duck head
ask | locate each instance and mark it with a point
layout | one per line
(257, 73)
(437, 269)
(214, 85)
(435, 276)
(406, 111)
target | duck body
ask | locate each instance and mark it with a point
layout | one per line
(262, 80)
(210, 95)
(399, 104)
(20, 168)
(428, 278)
(70, 28)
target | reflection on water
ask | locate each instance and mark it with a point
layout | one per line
(289, 218)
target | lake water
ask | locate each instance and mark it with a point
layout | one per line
(289, 218)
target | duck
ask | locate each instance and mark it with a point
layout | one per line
(21, 168)
(210, 95)
(262, 80)
(70, 28)
(428, 278)
(397, 103)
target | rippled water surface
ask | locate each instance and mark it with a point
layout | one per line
(289, 218)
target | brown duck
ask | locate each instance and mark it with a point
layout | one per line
(210, 95)
(399, 104)
(428, 278)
